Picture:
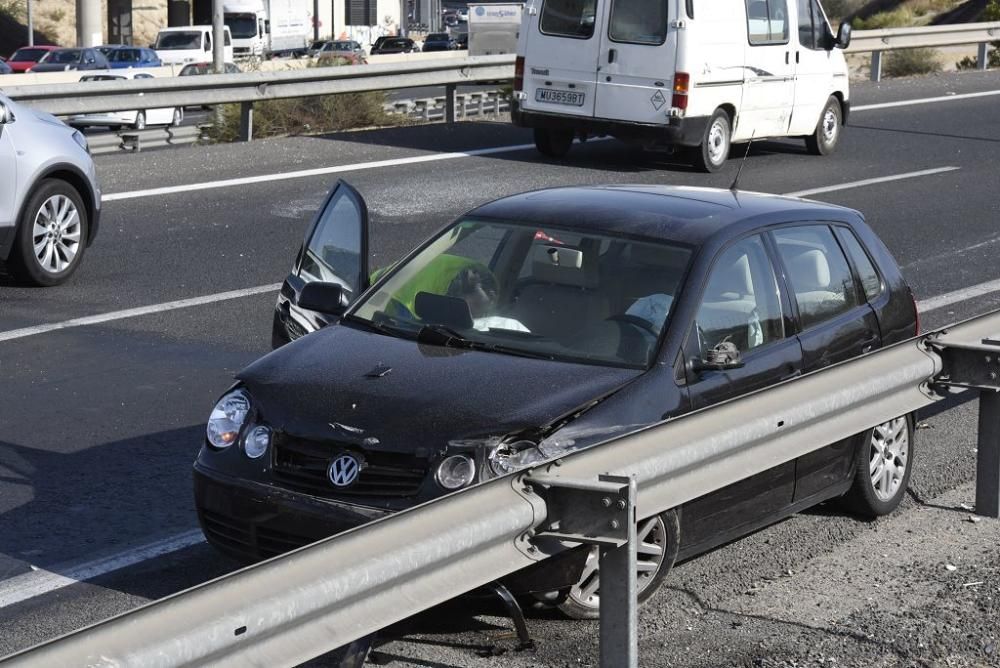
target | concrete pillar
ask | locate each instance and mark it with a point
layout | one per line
(31, 28)
(218, 38)
(89, 31)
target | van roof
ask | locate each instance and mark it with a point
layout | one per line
(678, 213)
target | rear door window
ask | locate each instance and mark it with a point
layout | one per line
(870, 280)
(817, 271)
(569, 18)
(767, 21)
(638, 21)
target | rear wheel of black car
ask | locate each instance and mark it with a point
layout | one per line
(553, 143)
(882, 467)
(659, 539)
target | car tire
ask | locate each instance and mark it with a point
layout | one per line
(885, 452)
(140, 121)
(178, 116)
(825, 138)
(662, 532)
(712, 153)
(553, 143)
(48, 254)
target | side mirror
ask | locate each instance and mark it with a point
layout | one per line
(843, 36)
(324, 297)
(6, 115)
(723, 357)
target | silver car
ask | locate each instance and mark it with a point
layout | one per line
(50, 201)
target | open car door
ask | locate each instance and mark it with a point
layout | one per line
(332, 262)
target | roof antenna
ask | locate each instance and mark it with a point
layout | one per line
(736, 181)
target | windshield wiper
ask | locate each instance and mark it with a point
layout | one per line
(380, 327)
(442, 335)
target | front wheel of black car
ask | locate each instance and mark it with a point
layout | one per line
(553, 143)
(882, 468)
(659, 539)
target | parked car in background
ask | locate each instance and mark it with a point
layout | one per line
(50, 200)
(315, 46)
(25, 57)
(395, 45)
(5, 68)
(192, 69)
(190, 44)
(342, 52)
(439, 41)
(61, 60)
(541, 324)
(133, 56)
(137, 119)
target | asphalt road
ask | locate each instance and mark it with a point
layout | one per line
(101, 422)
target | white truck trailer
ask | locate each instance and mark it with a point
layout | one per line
(266, 28)
(493, 28)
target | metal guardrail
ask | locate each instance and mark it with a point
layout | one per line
(323, 596)
(888, 39)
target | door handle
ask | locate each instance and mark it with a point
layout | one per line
(611, 55)
(796, 57)
(786, 57)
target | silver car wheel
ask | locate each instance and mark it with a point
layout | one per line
(831, 126)
(718, 142)
(56, 234)
(889, 457)
(652, 537)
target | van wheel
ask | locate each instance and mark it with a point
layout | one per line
(824, 140)
(140, 121)
(713, 152)
(553, 143)
(659, 540)
(883, 462)
(51, 236)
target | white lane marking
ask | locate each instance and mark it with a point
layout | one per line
(136, 312)
(869, 182)
(39, 581)
(926, 100)
(949, 298)
(319, 171)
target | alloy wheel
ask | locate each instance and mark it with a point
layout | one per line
(56, 234)
(889, 457)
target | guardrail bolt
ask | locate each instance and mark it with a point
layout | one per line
(614, 524)
(606, 502)
(621, 504)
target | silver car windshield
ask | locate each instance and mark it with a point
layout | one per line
(542, 291)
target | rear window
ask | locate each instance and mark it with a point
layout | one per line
(32, 55)
(569, 18)
(638, 21)
(870, 280)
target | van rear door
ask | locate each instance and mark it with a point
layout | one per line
(560, 56)
(636, 62)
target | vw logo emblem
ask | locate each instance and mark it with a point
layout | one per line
(344, 470)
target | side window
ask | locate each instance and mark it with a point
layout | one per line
(569, 18)
(638, 21)
(332, 254)
(817, 271)
(767, 21)
(741, 302)
(870, 280)
(812, 25)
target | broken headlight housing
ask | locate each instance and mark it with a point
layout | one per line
(514, 456)
(227, 419)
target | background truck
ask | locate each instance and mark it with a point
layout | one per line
(266, 28)
(493, 28)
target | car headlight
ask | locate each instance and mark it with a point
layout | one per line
(257, 441)
(81, 140)
(227, 419)
(456, 471)
(509, 457)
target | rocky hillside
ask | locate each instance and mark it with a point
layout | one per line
(55, 22)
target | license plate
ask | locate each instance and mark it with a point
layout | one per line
(552, 96)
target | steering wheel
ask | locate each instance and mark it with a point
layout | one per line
(636, 321)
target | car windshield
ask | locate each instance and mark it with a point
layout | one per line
(126, 55)
(340, 46)
(29, 55)
(101, 77)
(187, 39)
(242, 26)
(437, 37)
(530, 290)
(394, 43)
(63, 57)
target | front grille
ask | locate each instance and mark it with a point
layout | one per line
(302, 465)
(248, 540)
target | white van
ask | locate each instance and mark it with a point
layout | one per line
(190, 44)
(681, 73)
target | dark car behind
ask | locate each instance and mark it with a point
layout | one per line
(439, 41)
(62, 60)
(395, 45)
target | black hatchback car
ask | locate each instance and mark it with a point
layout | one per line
(540, 324)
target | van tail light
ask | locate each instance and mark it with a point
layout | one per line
(519, 74)
(682, 81)
(916, 314)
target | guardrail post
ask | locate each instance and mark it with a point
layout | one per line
(988, 455)
(981, 59)
(246, 121)
(449, 103)
(876, 66)
(619, 598)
